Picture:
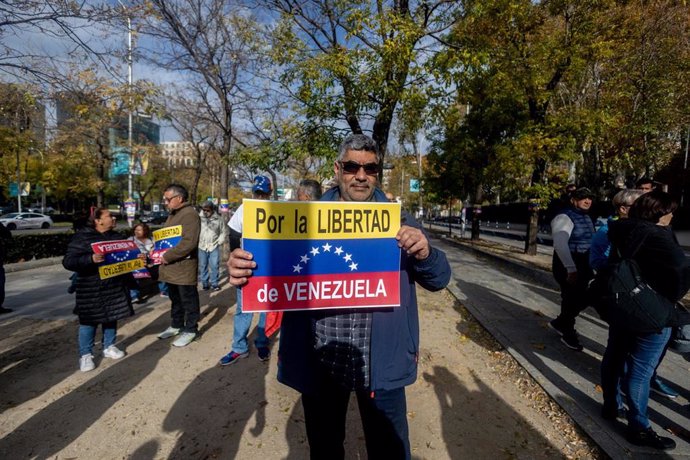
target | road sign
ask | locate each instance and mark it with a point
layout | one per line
(25, 188)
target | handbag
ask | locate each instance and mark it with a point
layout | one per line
(630, 302)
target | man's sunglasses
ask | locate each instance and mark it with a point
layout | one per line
(352, 167)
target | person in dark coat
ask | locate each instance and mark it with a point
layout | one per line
(98, 301)
(630, 359)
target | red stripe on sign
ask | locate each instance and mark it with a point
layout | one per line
(315, 292)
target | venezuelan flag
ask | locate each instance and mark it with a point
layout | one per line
(321, 255)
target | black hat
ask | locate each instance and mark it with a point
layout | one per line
(582, 193)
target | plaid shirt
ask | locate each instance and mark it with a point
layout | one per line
(342, 345)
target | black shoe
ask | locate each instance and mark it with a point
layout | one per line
(205, 288)
(5, 310)
(620, 413)
(71, 289)
(571, 341)
(264, 353)
(649, 438)
(556, 326)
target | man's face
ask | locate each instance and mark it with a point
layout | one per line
(301, 196)
(357, 175)
(207, 211)
(646, 187)
(584, 203)
(172, 200)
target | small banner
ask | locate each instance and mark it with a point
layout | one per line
(321, 255)
(142, 273)
(164, 239)
(121, 256)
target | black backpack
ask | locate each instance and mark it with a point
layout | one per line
(630, 302)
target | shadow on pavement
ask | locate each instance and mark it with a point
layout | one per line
(36, 358)
(79, 409)
(213, 411)
(473, 435)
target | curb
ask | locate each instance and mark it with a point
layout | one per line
(35, 263)
(519, 268)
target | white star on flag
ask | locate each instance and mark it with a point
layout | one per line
(348, 257)
(326, 247)
(304, 259)
(297, 268)
(314, 251)
(338, 250)
(353, 266)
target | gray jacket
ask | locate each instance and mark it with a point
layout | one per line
(212, 232)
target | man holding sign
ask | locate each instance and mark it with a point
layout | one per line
(325, 354)
(179, 266)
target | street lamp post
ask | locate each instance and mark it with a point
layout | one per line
(129, 115)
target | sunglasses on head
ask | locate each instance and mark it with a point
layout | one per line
(352, 167)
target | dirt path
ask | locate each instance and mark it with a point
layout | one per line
(471, 399)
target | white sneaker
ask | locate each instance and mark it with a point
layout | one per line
(113, 352)
(169, 332)
(86, 363)
(185, 339)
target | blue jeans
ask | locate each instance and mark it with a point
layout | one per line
(641, 362)
(384, 419)
(240, 329)
(208, 261)
(163, 287)
(87, 336)
(134, 293)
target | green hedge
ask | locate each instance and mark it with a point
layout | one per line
(25, 247)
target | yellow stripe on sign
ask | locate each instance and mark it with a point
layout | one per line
(298, 220)
(167, 232)
(120, 268)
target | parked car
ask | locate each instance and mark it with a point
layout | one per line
(22, 220)
(156, 217)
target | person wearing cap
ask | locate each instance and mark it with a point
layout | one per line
(572, 232)
(261, 190)
(211, 240)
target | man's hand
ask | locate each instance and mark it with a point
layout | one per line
(572, 278)
(240, 267)
(98, 258)
(413, 241)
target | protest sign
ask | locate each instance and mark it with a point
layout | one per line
(121, 256)
(164, 239)
(321, 255)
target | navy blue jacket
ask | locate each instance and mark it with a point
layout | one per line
(394, 331)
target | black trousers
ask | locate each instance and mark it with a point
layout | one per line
(384, 419)
(185, 311)
(574, 297)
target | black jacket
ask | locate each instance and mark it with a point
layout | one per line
(97, 301)
(662, 262)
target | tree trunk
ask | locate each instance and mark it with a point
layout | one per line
(532, 229)
(477, 211)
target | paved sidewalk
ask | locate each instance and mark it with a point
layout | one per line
(514, 302)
